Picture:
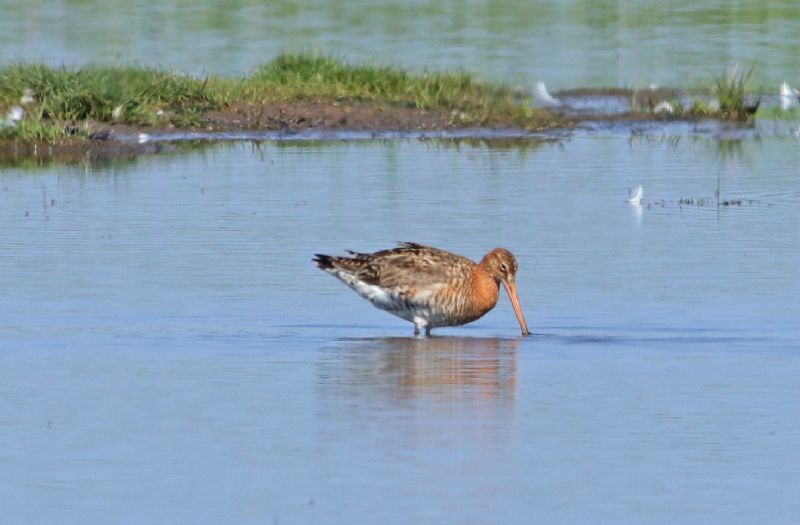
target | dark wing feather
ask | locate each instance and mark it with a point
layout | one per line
(416, 246)
(408, 266)
(417, 265)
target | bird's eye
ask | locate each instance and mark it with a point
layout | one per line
(504, 267)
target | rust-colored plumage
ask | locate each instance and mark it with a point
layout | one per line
(428, 286)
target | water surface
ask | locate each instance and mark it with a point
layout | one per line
(169, 354)
(565, 43)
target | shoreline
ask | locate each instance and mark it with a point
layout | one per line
(97, 113)
(110, 142)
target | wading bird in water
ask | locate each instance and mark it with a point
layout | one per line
(428, 286)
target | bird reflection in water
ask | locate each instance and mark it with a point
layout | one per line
(410, 368)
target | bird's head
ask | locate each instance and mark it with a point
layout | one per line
(501, 264)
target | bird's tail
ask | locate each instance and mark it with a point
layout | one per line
(343, 267)
(323, 262)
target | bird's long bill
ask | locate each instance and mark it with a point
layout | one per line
(511, 289)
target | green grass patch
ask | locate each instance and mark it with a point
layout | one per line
(66, 100)
(105, 94)
(731, 90)
(150, 97)
(32, 130)
(299, 77)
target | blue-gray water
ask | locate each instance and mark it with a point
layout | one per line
(567, 43)
(169, 354)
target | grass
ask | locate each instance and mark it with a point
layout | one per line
(104, 94)
(730, 98)
(36, 130)
(730, 90)
(69, 103)
(66, 98)
(299, 77)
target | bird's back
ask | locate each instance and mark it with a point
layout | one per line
(411, 280)
(410, 265)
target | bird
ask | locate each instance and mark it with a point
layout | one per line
(636, 195)
(27, 97)
(428, 286)
(664, 107)
(788, 96)
(543, 97)
(13, 116)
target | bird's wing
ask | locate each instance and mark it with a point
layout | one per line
(415, 265)
(410, 266)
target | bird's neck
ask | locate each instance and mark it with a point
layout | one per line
(486, 291)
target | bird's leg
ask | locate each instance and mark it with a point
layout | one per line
(419, 325)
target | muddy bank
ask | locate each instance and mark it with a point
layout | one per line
(100, 142)
(296, 117)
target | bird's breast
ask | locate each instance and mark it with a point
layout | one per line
(468, 299)
(485, 294)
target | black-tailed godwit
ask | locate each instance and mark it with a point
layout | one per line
(428, 286)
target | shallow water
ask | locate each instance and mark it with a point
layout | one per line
(169, 354)
(565, 43)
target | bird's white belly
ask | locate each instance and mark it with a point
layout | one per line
(410, 310)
